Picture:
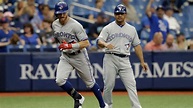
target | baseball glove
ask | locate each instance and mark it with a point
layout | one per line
(14, 39)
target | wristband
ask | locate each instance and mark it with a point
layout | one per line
(75, 46)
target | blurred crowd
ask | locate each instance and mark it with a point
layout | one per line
(28, 22)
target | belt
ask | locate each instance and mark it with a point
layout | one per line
(120, 55)
(74, 53)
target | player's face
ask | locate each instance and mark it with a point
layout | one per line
(63, 17)
(120, 18)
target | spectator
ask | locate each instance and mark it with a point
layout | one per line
(174, 4)
(51, 3)
(96, 28)
(45, 12)
(99, 5)
(144, 35)
(33, 16)
(156, 43)
(6, 34)
(29, 37)
(173, 24)
(10, 17)
(157, 22)
(20, 14)
(46, 36)
(169, 45)
(181, 41)
(131, 12)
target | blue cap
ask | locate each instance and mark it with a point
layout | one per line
(160, 7)
(120, 9)
(61, 7)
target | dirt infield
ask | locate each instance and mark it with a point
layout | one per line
(90, 93)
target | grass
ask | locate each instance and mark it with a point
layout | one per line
(147, 101)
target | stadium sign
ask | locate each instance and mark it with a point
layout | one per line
(167, 70)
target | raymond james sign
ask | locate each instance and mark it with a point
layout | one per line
(168, 70)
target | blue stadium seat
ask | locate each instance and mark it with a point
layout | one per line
(15, 48)
(50, 48)
(33, 48)
(157, 2)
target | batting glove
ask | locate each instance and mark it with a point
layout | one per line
(64, 46)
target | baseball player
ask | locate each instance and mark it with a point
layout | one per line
(73, 42)
(117, 38)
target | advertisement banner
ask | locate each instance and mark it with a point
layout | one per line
(37, 71)
(172, 70)
(12, 71)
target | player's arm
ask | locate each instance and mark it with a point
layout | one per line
(103, 44)
(139, 53)
(79, 45)
(148, 8)
(83, 44)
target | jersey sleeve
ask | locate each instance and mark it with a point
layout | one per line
(104, 34)
(136, 40)
(80, 32)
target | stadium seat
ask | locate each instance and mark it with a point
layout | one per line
(33, 48)
(15, 48)
(50, 48)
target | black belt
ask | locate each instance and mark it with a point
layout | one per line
(120, 55)
(74, 53)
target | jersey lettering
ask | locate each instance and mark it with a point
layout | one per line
(123, 35)
(65, 35)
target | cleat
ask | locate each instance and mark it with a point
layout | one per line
(106, 106)
(78, 102)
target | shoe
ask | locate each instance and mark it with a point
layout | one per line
(78, 102)
(106, 106)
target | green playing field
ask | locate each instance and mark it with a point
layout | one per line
(122, 101)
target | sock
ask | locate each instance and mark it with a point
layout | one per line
(97, 93)
(70, 90)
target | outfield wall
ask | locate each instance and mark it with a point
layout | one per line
(36, 71)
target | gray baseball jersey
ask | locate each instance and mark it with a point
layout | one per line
(72, 32)
(122, 37)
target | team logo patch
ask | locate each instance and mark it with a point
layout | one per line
(127, 46)
(61, 7)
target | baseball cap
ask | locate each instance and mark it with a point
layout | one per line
(120, 9)
(102, 14)
(160, 7)
(8, 14)
(4, 20)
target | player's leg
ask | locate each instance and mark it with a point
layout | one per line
(85, 71)
(63, 71)
(109, 76)
(127, 76)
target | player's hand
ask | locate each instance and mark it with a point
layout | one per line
(109, 46)
(64, 46)
(144, 66)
